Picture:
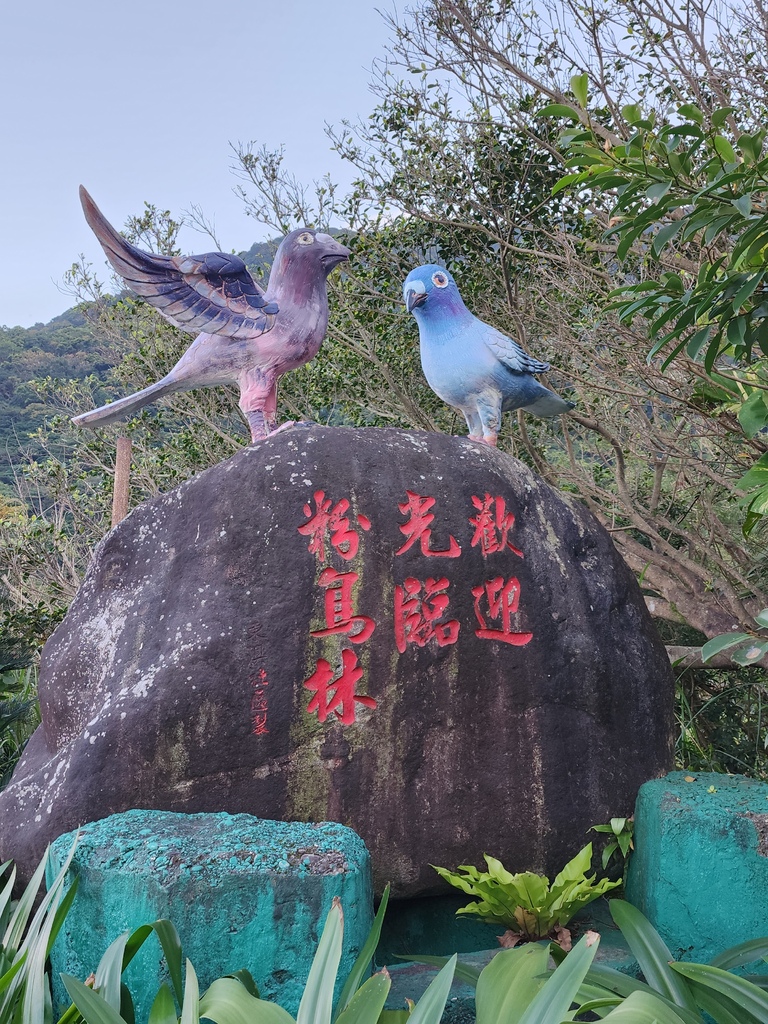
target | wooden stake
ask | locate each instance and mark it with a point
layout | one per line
(122, 486)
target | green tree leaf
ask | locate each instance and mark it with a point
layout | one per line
(579, 88)
(753, 414)
(722, 643)
(725, 149)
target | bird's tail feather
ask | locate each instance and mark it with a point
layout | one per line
(125, 406)
(548, 405)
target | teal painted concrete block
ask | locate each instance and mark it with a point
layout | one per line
(242, 893)
(700, 868)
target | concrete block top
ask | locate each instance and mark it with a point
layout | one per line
(166, 845)
(713, 790)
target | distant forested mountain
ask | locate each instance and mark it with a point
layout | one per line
(66, 349)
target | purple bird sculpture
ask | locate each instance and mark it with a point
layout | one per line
(245, 335)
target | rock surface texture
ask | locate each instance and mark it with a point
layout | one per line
(407, 633)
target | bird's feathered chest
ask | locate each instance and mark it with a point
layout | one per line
(301, 323)
(455, 358)
(298, 333)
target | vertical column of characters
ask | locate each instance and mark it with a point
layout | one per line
(421, 605)
(259, 681)
(496, 600)
(329, 528)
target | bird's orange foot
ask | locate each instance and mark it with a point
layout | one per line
(283, 426)
(490, 439)
(290, 423)
(475, 437)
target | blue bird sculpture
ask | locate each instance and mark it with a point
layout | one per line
(469, 364)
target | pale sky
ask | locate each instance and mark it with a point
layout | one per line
(139, 100)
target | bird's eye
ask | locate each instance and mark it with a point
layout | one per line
(305, 238)
(440, 279)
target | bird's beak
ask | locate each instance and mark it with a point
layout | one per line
(335, 253)
(415, 296)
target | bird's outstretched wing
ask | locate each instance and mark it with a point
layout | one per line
(214, 293)
(510, 354)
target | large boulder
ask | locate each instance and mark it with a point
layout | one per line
(407, 633)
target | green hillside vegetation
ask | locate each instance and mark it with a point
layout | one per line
(64, 349)
(68, 348)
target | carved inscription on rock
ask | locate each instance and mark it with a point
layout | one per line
(420, 612)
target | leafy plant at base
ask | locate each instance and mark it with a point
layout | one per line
(620, 842)
(235, 999)
(517, 988)
(691, 988)
(26, 937)
(526, 903)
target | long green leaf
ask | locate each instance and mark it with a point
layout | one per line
(94, 1009)
(509, 983)
(651, 953)
(51, 898)
(464, 973)
(623, 985)
(36, 991)
(644, 1008)
(317, 999)
(171, 946)
(367, 1003)
(163, 1007)
(594, 1005)
(429, 1008)
(743, 993)
(229, 1002)
(246, 980)
(394, 1016)
(722, 1010)
(554, 999)
(31, 982)
(190, 1008)
(127, 1009)
(11, 973)
(135, 941)
(62, 910)
(744, 953)
(14, 933)
(110, 971)
(6, 897)
(362, 963)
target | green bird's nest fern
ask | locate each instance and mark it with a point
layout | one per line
(526, 903)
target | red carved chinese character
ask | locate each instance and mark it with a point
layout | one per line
(416, 615)
(418, 527)
(337, 695)
(338, 607)
(259, 706)
(344, 539)
(492, 528)
(503, 600)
